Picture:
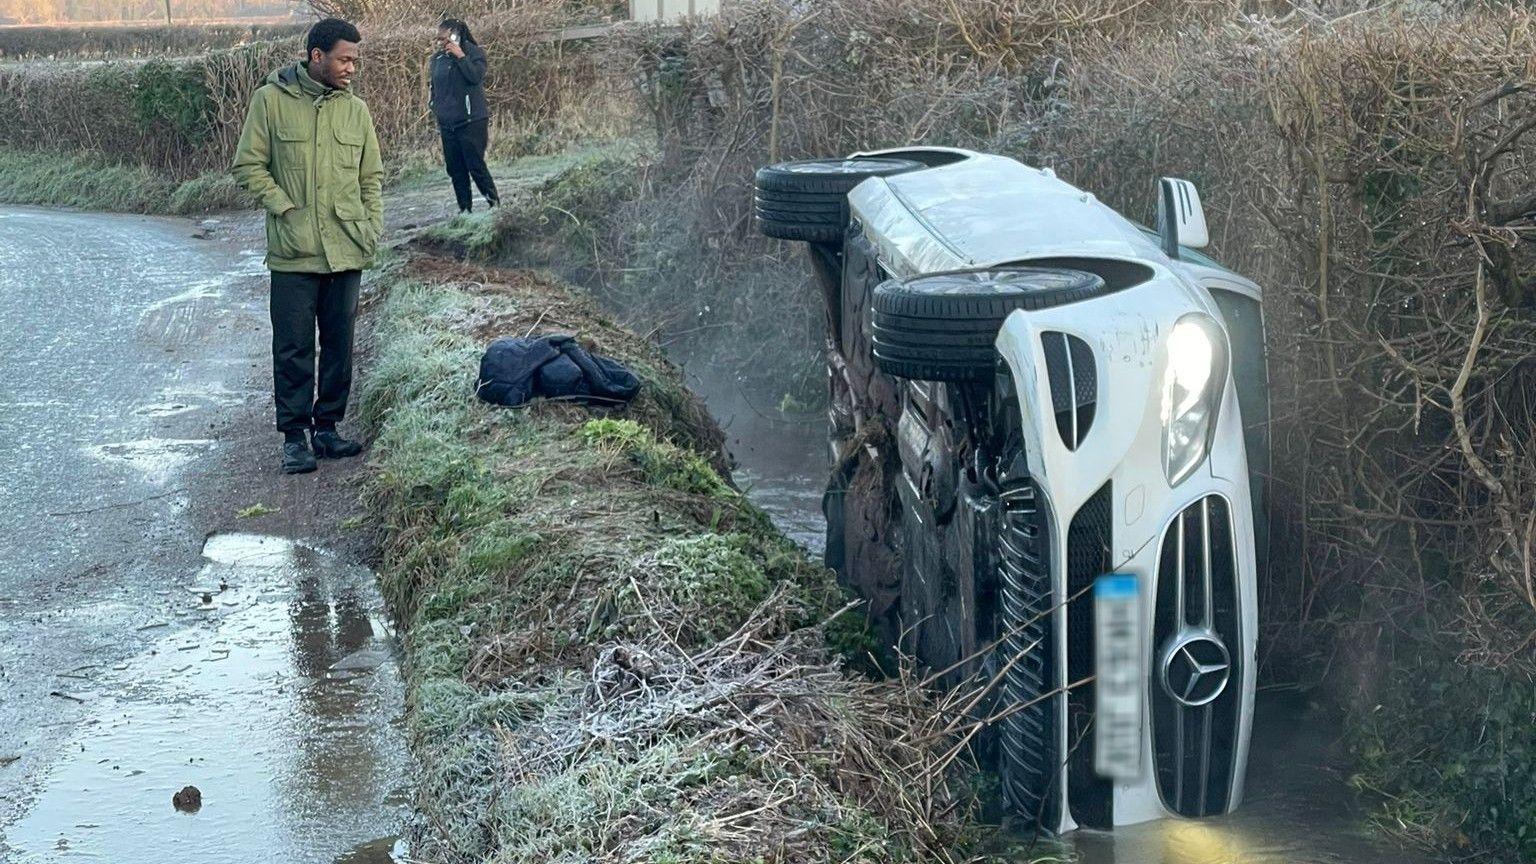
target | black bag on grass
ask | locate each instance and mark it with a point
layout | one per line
(514, 371)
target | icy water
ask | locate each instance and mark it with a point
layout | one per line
(1298, 807)
(280, 706)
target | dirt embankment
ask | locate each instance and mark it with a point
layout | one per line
(612, 655)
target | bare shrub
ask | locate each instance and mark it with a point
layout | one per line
(135, 40)
(182, 117)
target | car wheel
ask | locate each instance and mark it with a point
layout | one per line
(808, 200)
(942, 328)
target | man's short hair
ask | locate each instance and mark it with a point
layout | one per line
(325, 34)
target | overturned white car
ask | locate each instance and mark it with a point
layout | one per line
(1038, 418)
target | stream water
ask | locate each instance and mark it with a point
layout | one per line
(1298, 807)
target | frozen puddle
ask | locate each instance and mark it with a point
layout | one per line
(278, 705)
(156, 458)
(174, 401)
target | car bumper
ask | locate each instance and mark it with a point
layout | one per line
(1106, 506)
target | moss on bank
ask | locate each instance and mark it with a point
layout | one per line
(612, 655)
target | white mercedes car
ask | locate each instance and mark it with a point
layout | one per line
(1050, 431)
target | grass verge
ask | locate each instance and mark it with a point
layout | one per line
(611, 654)
(89, 184)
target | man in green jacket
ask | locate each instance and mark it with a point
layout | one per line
(309, 154)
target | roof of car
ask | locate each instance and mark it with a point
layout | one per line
(984, 210)
(989, 210)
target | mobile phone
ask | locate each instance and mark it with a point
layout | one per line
(454, 38)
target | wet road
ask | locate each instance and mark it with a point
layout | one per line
(128, 348)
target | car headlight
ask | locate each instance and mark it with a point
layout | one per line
(1195, 377)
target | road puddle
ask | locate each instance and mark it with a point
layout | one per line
(387, 850)
(279, 705)
(158, 459)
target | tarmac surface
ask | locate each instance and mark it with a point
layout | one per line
(151, 636)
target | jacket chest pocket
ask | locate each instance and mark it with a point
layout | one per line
(349, 146)
(290, 160)
(293, 141)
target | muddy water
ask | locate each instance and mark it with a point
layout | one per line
(1298, 807)
(781, 460)
(279, 704)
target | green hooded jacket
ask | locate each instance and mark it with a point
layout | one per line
(310, 156)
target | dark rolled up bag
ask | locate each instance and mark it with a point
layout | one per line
(514, 371)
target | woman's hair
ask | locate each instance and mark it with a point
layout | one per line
(460, 28)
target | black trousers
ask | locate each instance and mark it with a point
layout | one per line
(464, 155)
(301, 304)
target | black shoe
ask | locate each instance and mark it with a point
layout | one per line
(329, 445)
(296, 457)
(492, 201)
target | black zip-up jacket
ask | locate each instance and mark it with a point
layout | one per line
(457, 95)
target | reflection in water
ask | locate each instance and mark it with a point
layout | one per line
(1297, 808)
(388, 850)
(782, 461)
(296, 762)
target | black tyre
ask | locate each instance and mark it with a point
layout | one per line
(808, 200)
(942, 328)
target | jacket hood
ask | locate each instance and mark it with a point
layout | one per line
(286, 78)
(291, 80)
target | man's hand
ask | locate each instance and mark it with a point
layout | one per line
(453, 48)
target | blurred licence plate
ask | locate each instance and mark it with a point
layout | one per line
(1117, 634)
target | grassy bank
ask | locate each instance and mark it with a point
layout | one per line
(611, 654)
(92, 184)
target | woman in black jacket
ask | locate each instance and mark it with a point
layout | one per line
(463, 116)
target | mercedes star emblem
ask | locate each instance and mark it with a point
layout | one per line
(1195, 668)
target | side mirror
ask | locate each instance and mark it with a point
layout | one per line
(1180, 218)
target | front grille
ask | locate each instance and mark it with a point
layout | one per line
(1197, 674)
(1069, 367)
(1028, 734)
(1089, 796)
